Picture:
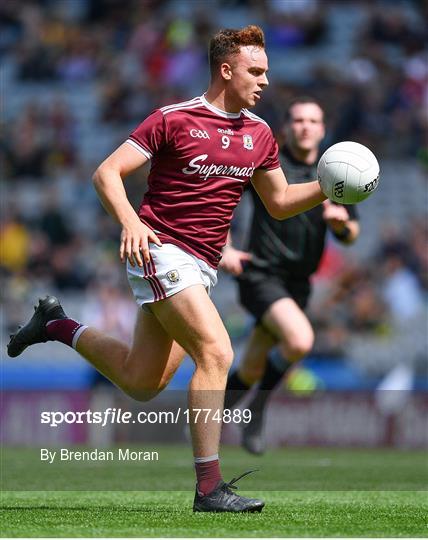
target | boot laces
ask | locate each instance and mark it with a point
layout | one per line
(231, 484)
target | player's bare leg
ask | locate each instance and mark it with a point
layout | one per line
(192, 320)
(141, 371)
(288, 322)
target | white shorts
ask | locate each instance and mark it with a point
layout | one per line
(170, 270)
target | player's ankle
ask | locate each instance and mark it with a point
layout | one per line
(208, 474)
(66, 331)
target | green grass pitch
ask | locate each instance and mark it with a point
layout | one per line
(308, 492)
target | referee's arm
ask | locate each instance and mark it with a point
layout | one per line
(341, 223)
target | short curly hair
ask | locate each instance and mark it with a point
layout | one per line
(227, 43)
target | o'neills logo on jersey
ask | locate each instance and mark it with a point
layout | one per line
(225, 131)
(210, 170)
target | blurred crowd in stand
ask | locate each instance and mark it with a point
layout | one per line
(56, 237)
(375, 310)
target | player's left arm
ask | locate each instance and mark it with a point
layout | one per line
(343, 226)
(283, 200)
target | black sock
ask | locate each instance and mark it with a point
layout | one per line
(276, 367)
(235, 390)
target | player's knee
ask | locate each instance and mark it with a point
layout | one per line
(218, 357)
(224, 358)
(298, 347)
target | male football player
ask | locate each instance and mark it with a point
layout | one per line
(203, 152)
(275, 284)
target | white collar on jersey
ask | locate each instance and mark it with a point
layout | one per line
(218, 111)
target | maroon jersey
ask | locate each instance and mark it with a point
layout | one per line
(202, 158)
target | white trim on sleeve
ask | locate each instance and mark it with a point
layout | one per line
(139, 148)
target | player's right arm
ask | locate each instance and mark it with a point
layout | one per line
(108, 181)
(283, 200)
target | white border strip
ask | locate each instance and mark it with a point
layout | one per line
(181, 104)
(178, 109)
(77, 335)
(139, 148)
(206, 459)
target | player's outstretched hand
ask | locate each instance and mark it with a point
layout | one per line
(134, 243)
(232, 260)
(335, 215)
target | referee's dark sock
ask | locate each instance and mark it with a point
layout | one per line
(276, 367)
(236, 389)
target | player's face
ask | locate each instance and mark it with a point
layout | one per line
(305, 128)
(247, 76)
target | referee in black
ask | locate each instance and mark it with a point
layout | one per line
(274, 274)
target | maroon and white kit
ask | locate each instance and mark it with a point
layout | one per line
(201, 160)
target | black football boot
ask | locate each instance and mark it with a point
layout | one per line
(34, 331)
(223, 499)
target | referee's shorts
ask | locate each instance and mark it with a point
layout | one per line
(258, 290)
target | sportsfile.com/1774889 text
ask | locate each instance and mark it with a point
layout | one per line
(119, 416)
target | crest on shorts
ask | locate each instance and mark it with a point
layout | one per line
(173, 276)
(248, 142)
